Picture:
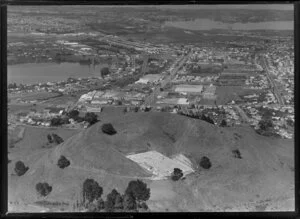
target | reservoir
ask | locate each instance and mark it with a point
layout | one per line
(208, 24)
(30, 73)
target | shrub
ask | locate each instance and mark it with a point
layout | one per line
(43, 188)
(205, 162)
(223, 123)
(177, 174)
(91, 207)
(143, 206)
(20, 168)
(138, 190)
(107, 128)
(63, 162)
(237, 154)
(91, 190)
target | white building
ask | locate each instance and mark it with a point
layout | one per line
(187, 88)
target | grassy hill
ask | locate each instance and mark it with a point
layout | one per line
(263, 178)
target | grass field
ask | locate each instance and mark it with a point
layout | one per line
(33, 96)
(226, 94)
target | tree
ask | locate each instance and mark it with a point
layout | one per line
(43, 188)
(20, 168)
(111, 200)
(57, 139)
(91, 118)
(223, 123)
(119, 202)
(107, 128)
(138, 190)
(73, 114)
(56, 121)
(265, 124)
(104, 71)
(91, 190)
(177, 174)
(205, 162)
(63, 162)
(49, 137)
(207, 119)
(129, 202)
(100, 204)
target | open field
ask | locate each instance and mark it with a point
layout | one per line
(160, 165)
(33, 96)
(226, 94)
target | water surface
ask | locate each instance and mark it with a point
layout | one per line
(49, 72)
(208, 24)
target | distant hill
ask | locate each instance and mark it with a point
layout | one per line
(264, 172)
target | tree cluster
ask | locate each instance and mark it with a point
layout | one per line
(89, 117)
(177, 174)
(54, 138)
(132, 200)
(265, 128)
(12, 86)
(201, 116)
(43, 188)
(20, 168)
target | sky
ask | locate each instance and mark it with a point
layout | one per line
(250, 6)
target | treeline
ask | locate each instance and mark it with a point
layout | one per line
(89, 117)
(133, 200)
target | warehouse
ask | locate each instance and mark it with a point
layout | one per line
(188, 88)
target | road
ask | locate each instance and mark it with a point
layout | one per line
(151, 99)
(273, 85)
(242, 114)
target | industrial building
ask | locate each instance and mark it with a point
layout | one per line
(189, 88)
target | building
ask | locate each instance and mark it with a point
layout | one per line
(94, 109)
(150, 78)
(188, 88)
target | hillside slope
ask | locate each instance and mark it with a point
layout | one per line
(265, 174)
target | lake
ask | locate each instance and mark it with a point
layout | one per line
(30, 73)
(208, 24)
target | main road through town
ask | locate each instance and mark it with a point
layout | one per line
(273, 85)
(151, 99)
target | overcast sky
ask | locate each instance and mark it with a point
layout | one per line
(250, 6)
